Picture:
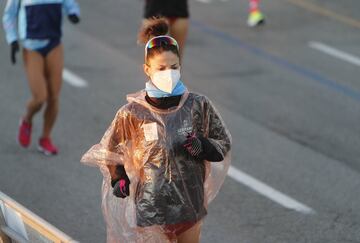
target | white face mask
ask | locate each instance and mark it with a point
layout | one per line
(166, 80)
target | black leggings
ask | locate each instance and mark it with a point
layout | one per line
(166, 8)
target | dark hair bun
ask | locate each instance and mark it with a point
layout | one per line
(151, 28)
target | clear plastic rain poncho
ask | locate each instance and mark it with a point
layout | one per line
(168, 186)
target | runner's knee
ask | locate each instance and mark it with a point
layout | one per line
(53, 99)
(40, 98)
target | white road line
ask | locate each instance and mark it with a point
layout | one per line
(335, 52)
(204, 1)
(73, 79)
(268, 191)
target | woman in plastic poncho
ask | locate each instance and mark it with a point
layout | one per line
(165, 155)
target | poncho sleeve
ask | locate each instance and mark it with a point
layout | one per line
(218, 134)
(112, 148)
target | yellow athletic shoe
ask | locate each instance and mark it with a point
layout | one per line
(255, 18)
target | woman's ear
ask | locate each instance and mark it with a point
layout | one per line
(146, 70)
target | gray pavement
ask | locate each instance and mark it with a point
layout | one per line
(293, 111)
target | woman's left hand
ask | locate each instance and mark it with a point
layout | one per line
(201, 148)
(193, 145)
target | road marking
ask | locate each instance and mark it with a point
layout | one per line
(73, 79)
(279, 61)
(335, 52)
(325, 12)
(268, 191)
(204, 1)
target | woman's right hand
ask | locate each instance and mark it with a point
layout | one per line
(121, 185)
(14, 49)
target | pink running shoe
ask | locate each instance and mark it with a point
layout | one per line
(46, 146)
(24, 134)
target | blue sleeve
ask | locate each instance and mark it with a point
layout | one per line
(10, 20)
(71, 7)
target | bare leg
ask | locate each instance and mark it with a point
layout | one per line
(192, 235)
(34, 66)
(179, 30)
(54, 64)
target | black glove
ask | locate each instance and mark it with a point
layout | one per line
(14, 49)
(121, 185)
(201, 148)
(74, 18)
(193, 145)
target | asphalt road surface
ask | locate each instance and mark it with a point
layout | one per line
(289, 92)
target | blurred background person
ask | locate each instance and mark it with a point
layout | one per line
(256, 17)
(176, 13)
(36, 26)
